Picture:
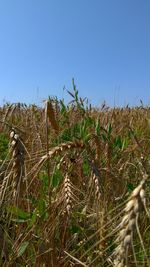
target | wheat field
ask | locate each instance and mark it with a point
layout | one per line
(74, 185)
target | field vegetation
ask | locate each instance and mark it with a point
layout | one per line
(74, 185)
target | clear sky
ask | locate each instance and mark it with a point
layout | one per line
(103, 44)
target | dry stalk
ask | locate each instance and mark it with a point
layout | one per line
(128, 224)
(50, 115)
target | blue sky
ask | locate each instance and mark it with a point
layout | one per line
(103, 44)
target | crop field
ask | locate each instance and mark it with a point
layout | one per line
(74, 185)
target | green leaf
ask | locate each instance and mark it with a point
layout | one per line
(84, 133)
(130, 187)
(63, 107)
(104, 137)
(125, 143)
(86, 167)
(66, 135)
(33, 218)
(22, 248)
(76, 229)
(56, 178)
(3, 146)
(98, 127)
(118, 142)
(76, 130)
(109, 129)
(20, 213)
(89, 121)
(41, 207)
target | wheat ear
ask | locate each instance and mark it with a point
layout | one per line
(128, 224)
(50, 115)
(17, 150)
(96, 185)
(68, 193)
